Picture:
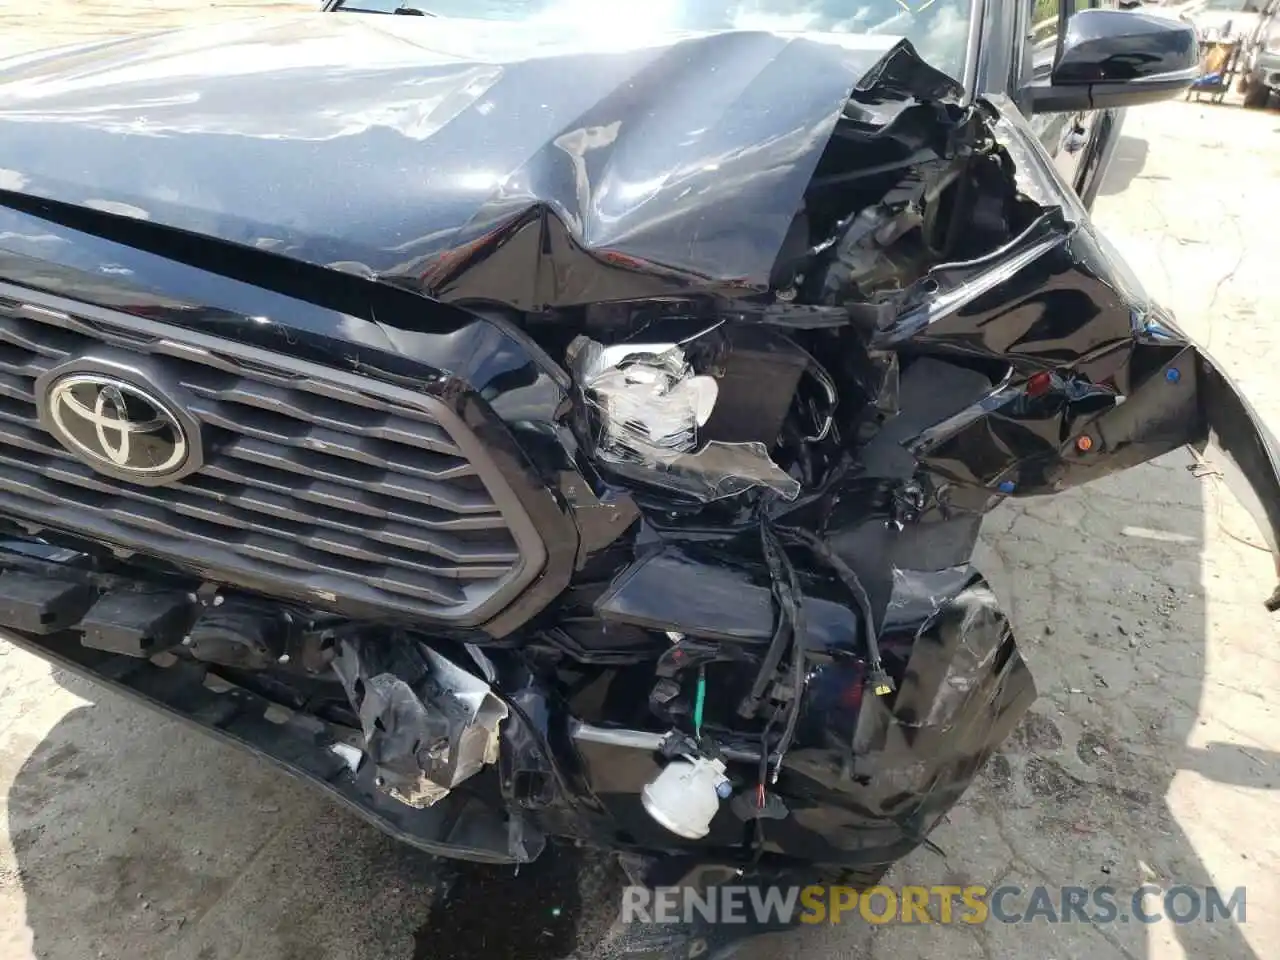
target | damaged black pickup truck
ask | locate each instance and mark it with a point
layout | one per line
(544, 427)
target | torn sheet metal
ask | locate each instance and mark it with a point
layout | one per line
(428, 724)
(476, 743)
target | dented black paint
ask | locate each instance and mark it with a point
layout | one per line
(1036, 365)
(603, 174)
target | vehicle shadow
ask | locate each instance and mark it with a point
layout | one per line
(136, 837)
(1126, 163)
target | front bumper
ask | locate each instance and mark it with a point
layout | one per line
(297, 744)
(1250, 455)
(859, 809)
(1266, 70)
(1176, 396)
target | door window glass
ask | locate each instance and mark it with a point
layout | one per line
(1042, 39)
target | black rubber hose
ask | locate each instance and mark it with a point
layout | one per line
(796, 602)
(854, 585)
(775, 560)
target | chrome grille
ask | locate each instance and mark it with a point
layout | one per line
(315, 484)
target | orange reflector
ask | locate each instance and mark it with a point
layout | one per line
(1084, 444)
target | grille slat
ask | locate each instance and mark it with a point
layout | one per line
(389, 531)
(150, 518)
(20, 414)
(367, 502)
(335, 496)
(38, 338)
(314, 483)
(294, 433)
(16, 388)
(305, 463)
(281, 520)
(348, 396)
(361, 421)
(16, 434)
(250, 556)
(18, 362)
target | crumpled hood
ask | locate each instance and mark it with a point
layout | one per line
(410, 147)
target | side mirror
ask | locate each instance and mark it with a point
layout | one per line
(1118, 58)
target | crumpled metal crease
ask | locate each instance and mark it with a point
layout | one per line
(579, 185)
(426, 734)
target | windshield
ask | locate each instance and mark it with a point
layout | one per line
(937, 28)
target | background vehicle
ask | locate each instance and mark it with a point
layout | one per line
(428, 301)
(1226, 19)
(1260, 60)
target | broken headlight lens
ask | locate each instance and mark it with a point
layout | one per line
(646, 404)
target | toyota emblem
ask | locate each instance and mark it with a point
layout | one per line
(113, 424)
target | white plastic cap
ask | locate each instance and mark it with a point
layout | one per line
(685, 796)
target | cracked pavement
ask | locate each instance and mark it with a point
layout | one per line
(1151, 756)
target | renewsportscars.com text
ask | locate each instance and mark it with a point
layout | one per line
(946, 904)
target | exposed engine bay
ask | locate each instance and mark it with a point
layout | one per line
(683, 573)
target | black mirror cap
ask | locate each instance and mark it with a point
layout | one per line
(1122, 46)
(1118, 58)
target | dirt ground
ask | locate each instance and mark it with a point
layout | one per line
(1152, 756)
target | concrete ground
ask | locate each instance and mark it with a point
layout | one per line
(1153, 754)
